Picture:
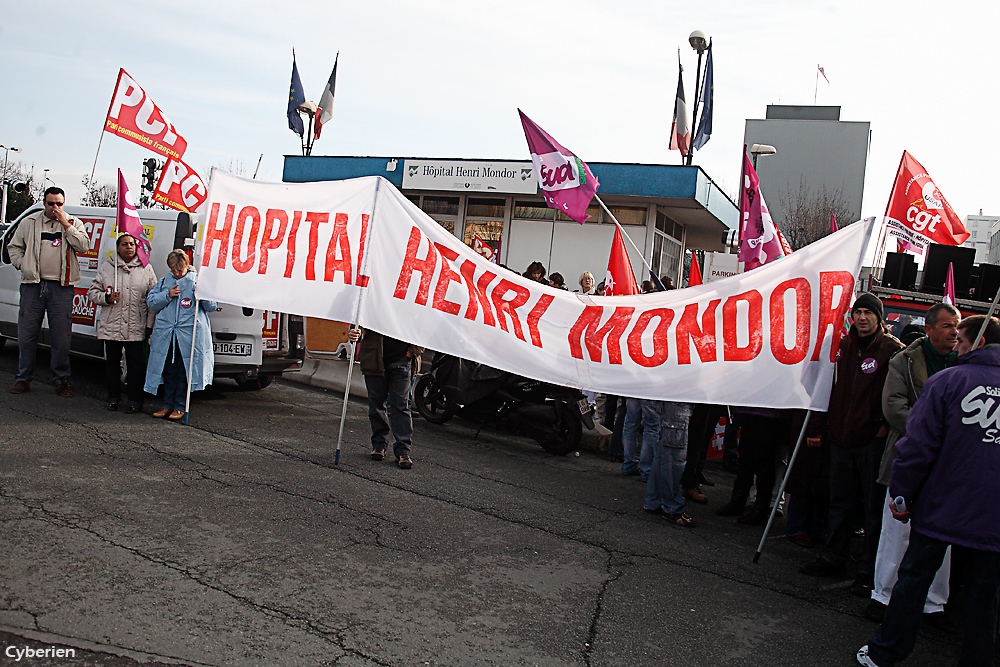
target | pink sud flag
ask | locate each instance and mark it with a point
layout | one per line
(566, 181)
(129, 222)
(760, 239)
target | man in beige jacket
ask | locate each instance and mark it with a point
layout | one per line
(44, 248)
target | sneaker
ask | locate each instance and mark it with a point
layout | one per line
(821, 567)
(863, 658)
(62, 388)
(20, 387)
(404, 462)
(875, 611)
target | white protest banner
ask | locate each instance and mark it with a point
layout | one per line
(359, 251)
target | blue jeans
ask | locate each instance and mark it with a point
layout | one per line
(897, 635)
(38, 300)
(635, 410)
(389, 407)
(663, 489)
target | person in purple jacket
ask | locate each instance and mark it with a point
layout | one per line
(947, 474)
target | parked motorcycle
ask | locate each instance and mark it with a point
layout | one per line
(552, 415)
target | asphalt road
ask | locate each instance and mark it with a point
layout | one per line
(236, 541)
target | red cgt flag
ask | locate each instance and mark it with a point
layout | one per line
(917, 204)
(619, 280)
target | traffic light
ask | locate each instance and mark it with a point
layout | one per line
(149, 174)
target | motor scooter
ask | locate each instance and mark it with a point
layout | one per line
(554, 416)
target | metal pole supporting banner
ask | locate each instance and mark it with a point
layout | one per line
(194, 334)
(357, 314)
(989, 314)
(615, 220)
(784, 481)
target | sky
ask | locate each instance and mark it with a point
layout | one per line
(444, 79)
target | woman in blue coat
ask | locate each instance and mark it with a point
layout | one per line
(173, 301)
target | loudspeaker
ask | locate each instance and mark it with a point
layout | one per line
(900, 271)
(989, 282)
(936, 268)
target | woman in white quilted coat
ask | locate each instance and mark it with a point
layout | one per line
(124, 320)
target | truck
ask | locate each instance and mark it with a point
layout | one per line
(252, 347)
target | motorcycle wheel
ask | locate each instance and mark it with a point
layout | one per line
(430, 401)
(570, 432)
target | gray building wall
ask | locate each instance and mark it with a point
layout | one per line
(813, 147)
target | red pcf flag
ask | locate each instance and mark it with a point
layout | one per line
(917, 204)
(180, 187)
(133, 116)
(619, 280)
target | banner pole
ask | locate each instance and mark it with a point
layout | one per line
(615, 220)
(194, 333)
(989, 314)
(784, 481)
(357, 316)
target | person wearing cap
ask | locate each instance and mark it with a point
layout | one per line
(855, 429)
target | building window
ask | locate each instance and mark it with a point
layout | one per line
(485, 208)
(443, 209)
(629, 215)
(529, 210)
(668, 226)
(666, 255)
(440, 205)
(484, 218)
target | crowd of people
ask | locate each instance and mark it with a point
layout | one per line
(136, 308)
(906, 455)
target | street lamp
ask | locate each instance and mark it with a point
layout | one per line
(45, 178)
(699, 43)
(3, 182)
(761, 149)
(7, 149)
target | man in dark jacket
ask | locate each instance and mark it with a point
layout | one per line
(855, 430)
(908, 371)
(946, 473)
(388, 366)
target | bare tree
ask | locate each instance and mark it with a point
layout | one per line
(98, 195)
(20, 198)
(807, 213)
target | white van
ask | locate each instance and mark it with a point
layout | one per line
(251, 346)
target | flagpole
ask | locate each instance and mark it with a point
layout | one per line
(989, 314)
(194, 334)
(357, 315)
(784, 481)
(615, 220)
(101, 141)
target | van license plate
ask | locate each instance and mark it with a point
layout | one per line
(232, 349)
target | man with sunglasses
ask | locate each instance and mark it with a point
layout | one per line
(44, 248)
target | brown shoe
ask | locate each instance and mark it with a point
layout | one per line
(20, 387)
(176, 416)
(160, 414)
(695, 495)
(63, 389)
